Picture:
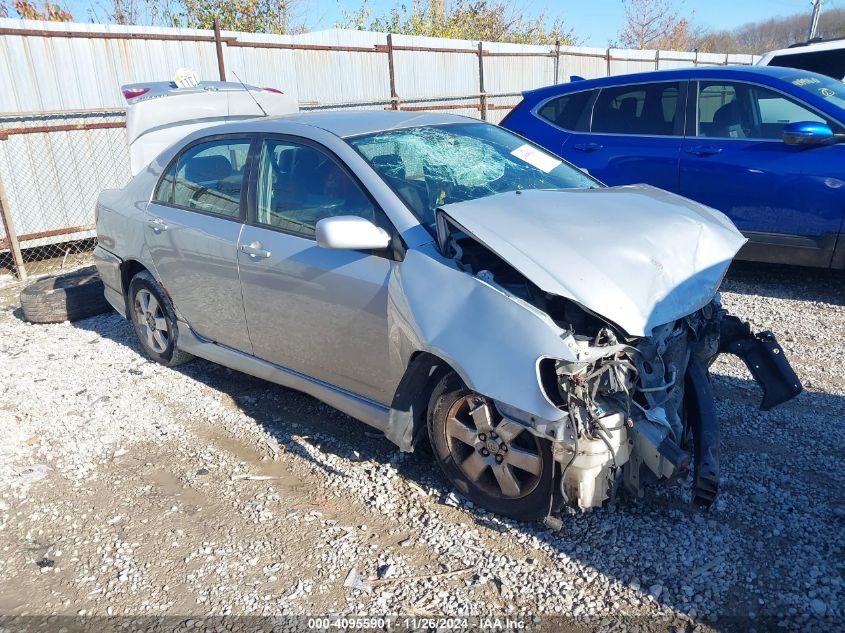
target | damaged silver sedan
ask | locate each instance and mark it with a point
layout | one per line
(444, 280)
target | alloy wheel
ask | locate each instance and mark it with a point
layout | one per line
(499, 456)
(152, 323)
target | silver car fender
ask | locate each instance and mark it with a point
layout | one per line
(492, 340)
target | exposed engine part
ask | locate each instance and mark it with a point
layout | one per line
(635, 401)
(626, 398)
(595, 464)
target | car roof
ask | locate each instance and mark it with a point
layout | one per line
(349, 123)
(769, 74)
(813, 45)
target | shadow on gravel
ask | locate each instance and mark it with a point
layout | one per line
(771, 548)
(786, 282)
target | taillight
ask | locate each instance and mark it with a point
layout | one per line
(276, 90)
(131, 93)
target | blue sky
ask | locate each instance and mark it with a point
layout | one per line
(595, 21)
(598, 21)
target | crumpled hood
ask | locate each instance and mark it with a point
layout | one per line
(635, 255)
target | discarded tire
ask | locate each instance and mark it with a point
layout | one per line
(67, 297)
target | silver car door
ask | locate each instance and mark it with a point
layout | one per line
(193, 224)
(318, 311)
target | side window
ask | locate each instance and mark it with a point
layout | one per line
(745, 111)
(719, 111)
(207, 177)
(647, 109)
(298, 185)
(568, 111)
(164, 189)
(776, 110)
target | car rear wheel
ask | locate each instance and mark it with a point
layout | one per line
(496, 463)
(154, 321)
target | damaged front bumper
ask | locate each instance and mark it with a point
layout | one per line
(643, 409)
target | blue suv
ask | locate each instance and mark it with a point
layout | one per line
(761, 144)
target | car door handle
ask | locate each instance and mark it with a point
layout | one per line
(703, 150)
(587, 147)
(157, 225)
(255, 250)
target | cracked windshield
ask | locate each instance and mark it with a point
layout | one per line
(436, 165)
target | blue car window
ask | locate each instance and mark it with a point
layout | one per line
(568, 111)
(644, 109)
(746, 111)
(721, 114)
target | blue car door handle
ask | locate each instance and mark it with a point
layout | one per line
(703, 150)
(587, 147)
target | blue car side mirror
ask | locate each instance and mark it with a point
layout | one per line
(807, 133)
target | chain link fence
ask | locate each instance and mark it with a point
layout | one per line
(52, 168)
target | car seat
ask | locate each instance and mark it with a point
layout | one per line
(727, 121)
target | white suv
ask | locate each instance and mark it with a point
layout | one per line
(826, 57)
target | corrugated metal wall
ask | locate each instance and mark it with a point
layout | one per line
(71, 73)
(49, 69)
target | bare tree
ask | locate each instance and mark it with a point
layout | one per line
(655, 24)
(773, 33)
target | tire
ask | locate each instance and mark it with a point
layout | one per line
(66, 297)
(516, 481)
(154, 321)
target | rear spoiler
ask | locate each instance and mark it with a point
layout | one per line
(160, 114)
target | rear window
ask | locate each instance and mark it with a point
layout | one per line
(830, 62)
(568, 111)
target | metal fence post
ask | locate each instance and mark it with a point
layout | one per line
(657, 59)
(394, 98)
(218, 43)
(695, 59)
(481, 93)
(11, 237)
(608, 62)
(557, 62)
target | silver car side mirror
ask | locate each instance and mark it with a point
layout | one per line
(351, 232)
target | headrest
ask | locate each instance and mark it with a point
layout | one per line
(208, 169)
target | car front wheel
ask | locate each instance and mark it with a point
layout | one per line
(496, 463)
(154, 321)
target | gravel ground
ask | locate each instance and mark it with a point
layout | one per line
(131, 489)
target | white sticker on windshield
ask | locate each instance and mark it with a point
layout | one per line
(536, 158)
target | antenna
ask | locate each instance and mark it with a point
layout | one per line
(250, 93)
